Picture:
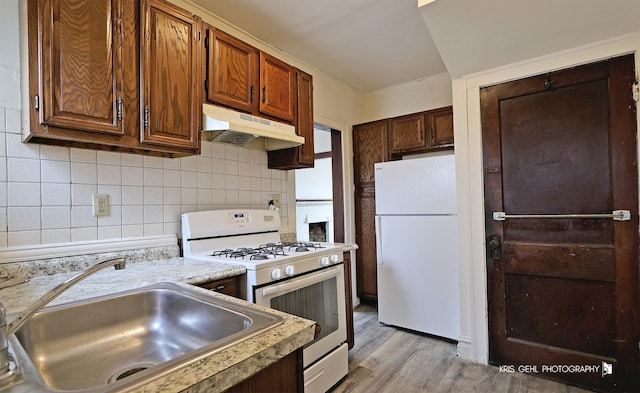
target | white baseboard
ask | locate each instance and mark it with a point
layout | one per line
(465, 348)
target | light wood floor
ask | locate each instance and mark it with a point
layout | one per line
(387, 359)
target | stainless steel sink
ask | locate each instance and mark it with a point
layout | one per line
(107, 343)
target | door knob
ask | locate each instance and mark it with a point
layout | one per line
(495, 248)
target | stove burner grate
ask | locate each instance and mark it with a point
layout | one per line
(267, 250)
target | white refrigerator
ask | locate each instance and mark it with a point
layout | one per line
(416, 234)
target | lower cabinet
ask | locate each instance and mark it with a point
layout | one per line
(348, 299)
(228, 286)
(284, 376)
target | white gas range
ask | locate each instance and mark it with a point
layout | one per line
(305, 279)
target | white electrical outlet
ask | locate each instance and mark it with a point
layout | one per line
(273, 199)
(100, 204)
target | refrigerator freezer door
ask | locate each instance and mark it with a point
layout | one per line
(418, 283)
(419, 186)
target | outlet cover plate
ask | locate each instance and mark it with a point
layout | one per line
(100, 204)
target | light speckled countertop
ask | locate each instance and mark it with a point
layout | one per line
(213, 373)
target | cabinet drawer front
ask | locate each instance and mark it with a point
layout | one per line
(228, 286)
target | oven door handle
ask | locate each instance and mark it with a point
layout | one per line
(299, 283)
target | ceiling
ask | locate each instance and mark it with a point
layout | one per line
(374, 44)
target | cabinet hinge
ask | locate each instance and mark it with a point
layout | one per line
(206, 42)
(206, 86)
(119, 114)
(146, 117)
(36, 103)
(636, 91)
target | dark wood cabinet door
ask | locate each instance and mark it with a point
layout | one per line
(366, 254)
(440, 122)
(283, 376)
(407, 133)
(170, 75)
(304, 118)
(79, 65)
(277, 84)
(564, 290)
(232, 71)
(301, 156)
(369, 147)
(348, 299)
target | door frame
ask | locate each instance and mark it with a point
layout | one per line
(473, 343)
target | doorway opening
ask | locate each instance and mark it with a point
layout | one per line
(319, 194)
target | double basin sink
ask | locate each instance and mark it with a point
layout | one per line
(127, 339)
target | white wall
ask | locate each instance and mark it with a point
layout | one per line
(411, 97)
(45, 191)
(473, 342)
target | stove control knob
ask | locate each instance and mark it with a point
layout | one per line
(324, 261)
(289, 270)
(276, 274)
(335, 258)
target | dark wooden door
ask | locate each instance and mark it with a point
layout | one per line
(563, 292)
(170, 73)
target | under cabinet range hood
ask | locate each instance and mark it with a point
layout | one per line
(224, 125)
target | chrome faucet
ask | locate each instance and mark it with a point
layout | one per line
(6, 330)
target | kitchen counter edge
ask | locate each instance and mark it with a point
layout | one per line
(214, 373)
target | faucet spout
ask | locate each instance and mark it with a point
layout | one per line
(6, 330)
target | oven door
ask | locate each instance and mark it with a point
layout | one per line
(318, 296)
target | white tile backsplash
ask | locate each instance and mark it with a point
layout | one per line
(46, 191)
(23, 219)
(24, 194)
(55, 171)
(15, 147)
(56, 217)
(23, 170)
(55, 194)
(84, 173)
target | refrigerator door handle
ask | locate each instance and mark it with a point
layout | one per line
(379, 239)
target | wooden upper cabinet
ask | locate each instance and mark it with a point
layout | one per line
(80, 70)
(440, 123)
(277, 87)
(407, 133)
(304, 118)
(170, 74)
(232, 74)
(369, 147)
(302, 156)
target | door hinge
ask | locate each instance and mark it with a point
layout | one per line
(36, 103)
(636, 91)
(146, 117)
(119, 114)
